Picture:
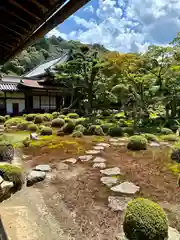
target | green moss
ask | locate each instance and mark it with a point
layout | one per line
(68, 128)
(23, 125)
(46, 131)
(2, 119)
(14, 121)
(145, 220)
(77, 134)
(175, 168)
(170, 137)
(119, 115)
(137, 142)
(30, 117)
(73, 115)
(115, 131)
(32, 127)
(47, 117)
(58, 122)
(166, 131)
(80, 128)
(38, 119)
(151, 137)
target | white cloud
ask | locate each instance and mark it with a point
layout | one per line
(130, 25)
(57, 33)
(89, 9)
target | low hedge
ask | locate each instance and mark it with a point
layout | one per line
(58, 122)
(45, 131)
(145, 220)
(137, 143)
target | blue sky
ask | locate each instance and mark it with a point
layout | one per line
(123, 25)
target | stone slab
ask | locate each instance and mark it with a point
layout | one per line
(85, 158)
(92, 152)
(126, 188)
(70, 160)
(109, 181)
(118, 203)
(43, 168)
(99, 165)
(111, 171)
(99, 160)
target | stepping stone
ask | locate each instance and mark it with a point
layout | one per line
(92, 152)
(62, 166)
(103, 144)
(126, 187)
(118, 143)
(43, 168)
(99, 165)
(118, 203)
(85, 158)
(109, 181)
(99, 160)
(154, 144)
(70, 160)
(98, 148)
(111, 171)
(113, 140)
(34, 177)
(173, 234)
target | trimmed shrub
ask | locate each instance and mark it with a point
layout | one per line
(7, 117)
(80, 128)
(58, 122)
(32, 127)
(170, 137)
(14, 121)
(73, 115)
(151, 137)
(115, 131)
(145, 220)
(129, 130)
(80, 121)
(26, 142)
(68, 128)
(38, 119)
(166, 131)
(62, 116)
(2, 119)
(95, 130)
(106, 127)
(23, 126)
(30, 117)
(137, 143)
(46, 131)
(77, 134)
(47, 117)
(13, 174)
(55, 115)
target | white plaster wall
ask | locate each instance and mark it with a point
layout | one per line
(9, 103)
(36, 102)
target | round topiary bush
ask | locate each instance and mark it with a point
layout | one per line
(73, 115)
(170, 137)
(2, 119)
(30, 117)
(58, 122)
(38, 119)
(80, 128)
(68, 128)
(151, 137)
(129, 130)
(115, 131)
(145, 220)
(55, 115)
(106, 127)
(26, 142)
(95, 130)
(137, 143)
(23, 125)
(13, 174)
(7, 117)
(45, 131)
(166, 131)
(77, 134)
(47, 117)
(32, 127)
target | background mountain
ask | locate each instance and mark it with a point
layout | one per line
(43, 50)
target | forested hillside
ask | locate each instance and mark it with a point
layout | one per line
(44, 49)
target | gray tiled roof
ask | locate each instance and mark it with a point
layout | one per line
(39, 70)
(11, 87)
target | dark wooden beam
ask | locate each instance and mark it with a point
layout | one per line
(39, 5)
(12, 30)
(24, 9)
(5, 47)
(7, 44)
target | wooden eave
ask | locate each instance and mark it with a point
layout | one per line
(23, 22)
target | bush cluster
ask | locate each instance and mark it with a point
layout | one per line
(137, 143)
(145, 220)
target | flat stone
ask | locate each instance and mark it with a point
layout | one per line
(99, 165)
(126, 187)
(43, 168)
(154, 144)
(92, 152)
(173, 234)
(98, 148)
(111, 171)
(85, 158)
(70, 160)
(34, 177)
(118, 143)
(103, 144)
(113, 140)
(118, 203)
(99, 160)
(109, 181)
(62, 166)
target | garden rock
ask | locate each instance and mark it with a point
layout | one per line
(85, 158)
(118, 203)
(92, 152)
(6, 186)
(103, 144)
(34, 177)
(118, 143)
(111, 171)
(154, 144)
(43, 168)
(173, 234)
(98, 148)
(99, 165)
(109, 181)
(126, 188)
(99, 160)
(70, 160)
